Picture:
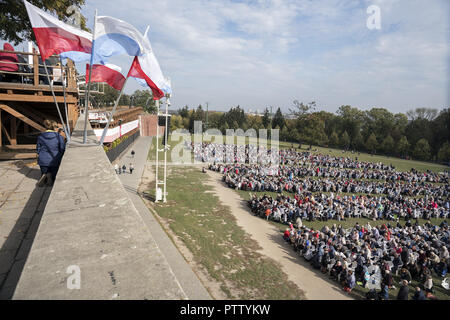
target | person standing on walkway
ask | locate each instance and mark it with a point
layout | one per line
(116, 167)
(124, 169)
(132, 153)
(50, 148)
(131, 168)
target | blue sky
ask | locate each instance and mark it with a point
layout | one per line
(267, 53)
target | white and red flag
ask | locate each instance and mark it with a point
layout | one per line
(109, 73)
(146, 68)
(56, 37)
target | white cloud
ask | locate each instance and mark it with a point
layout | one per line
(261, 53)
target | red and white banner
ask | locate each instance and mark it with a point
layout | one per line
(147, 68)
(54, 36)
(117, 132)
(106, 73)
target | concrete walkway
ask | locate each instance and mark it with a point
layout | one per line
(92, 243)
(21, 208)
(187, 279)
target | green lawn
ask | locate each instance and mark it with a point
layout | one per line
(211, 234)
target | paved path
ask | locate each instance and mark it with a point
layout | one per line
(21, 208)
(315, 285)
(189, 282)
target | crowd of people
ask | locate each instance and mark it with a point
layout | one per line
(314, 199)
(320, 187)
(369, 255)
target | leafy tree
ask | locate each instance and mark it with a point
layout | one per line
(15, 25)
(351, 120)
(334, 139)
(388, 145)
(278, 119)
(184, 112)
(417, 129)
(378, 121)
(422, 113)
(301, 110)
(144, 99)
(124, 100)
(176, 122)
(444, 152)
(358, 141)
(345, 140)
(422, 150)
(440, 127)
(266, 119)
(371, 143)
(314, 131)
(400, 124)
(403, 146)
(284, 134)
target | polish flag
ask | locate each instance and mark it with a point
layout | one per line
(109, 73)
(146, 68)
(137, 72)
(56, 37)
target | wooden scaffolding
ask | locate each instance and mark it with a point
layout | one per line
(26, 101)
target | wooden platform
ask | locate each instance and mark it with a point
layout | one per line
(26, 101)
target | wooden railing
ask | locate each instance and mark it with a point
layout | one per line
(29, 74)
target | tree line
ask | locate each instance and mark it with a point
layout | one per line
(422, 134)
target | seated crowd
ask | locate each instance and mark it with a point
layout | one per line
(317, 187)
(355, 255)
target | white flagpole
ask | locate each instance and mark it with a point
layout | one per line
(86, 107)
(157, 150)
(105, 130)
(64, 92)
(54, 97)
(165, 149)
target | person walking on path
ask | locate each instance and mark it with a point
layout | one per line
(116, 167)
(124, 168)
(131, 168)
(50, 148)
(132, 153)
(404, 291)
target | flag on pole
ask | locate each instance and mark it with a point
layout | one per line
(109, 73)
(114, 37)
(56, 37)
(146, 68)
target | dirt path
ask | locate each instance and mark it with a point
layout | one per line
(314, 284)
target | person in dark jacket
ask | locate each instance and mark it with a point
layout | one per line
(50, 149)
(404, 291)
(418, 295)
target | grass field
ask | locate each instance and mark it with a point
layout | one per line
(211, 234)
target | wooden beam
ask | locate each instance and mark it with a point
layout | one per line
(6, 133)
(36, 69)
(1, 126)
(21, 117)
(13, 129)
(33, 98)
(31, 113)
